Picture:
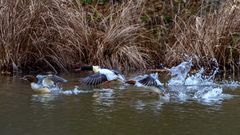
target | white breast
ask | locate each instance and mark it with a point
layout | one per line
(39, 88)
(110, 75)
(35, 86)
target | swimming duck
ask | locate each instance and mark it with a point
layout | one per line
(44, 83)
(148, 80)
(101, 75)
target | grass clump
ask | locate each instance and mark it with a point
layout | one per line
(57, 34)
(207, 35)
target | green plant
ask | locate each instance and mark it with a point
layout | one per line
(87, 1)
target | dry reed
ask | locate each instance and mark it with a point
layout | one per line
(204, 37)
(57, 34)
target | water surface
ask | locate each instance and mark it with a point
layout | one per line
(123, 110)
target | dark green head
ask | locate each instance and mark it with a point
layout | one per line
(89, 68)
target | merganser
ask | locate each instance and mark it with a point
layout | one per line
(44, 83)
(149, 81)
(101, 75)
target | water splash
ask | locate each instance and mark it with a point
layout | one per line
(198, 87)
(200, 79)
(195, 79)
(230, 84)
(179, 93)
(182, 87)
(210, 95)
(75, 91)
(179, 73)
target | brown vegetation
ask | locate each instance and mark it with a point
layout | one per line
(58, 34)
(53, 34)
(204, 37)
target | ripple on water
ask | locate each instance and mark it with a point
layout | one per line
(116, 108)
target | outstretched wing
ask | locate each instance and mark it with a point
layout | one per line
(40, 79)
(56, 79)
(94, 79)
(148, 81)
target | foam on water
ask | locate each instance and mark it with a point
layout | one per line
(75, 91)
(208, 93)
(200, 79)
(183, 96)
(230, 84)
(199, 87)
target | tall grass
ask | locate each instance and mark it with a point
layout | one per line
(203, 37)
(57, 34)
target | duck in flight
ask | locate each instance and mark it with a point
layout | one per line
(44, 83)
(101, 75)
(149, 81)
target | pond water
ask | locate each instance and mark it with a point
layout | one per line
(114, 109)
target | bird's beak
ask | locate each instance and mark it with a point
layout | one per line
(78, 69)
(23, 78)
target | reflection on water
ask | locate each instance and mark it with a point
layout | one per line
(154, 105)
(45, 99)
(104, 97)
(121, 109)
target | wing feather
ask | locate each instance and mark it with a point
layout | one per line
(94, 79)
(56, 79)
(148, 81)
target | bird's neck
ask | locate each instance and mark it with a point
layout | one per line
(86, 68)
(32, 79)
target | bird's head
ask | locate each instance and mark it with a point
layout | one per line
(89, 68)
(29, 78)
